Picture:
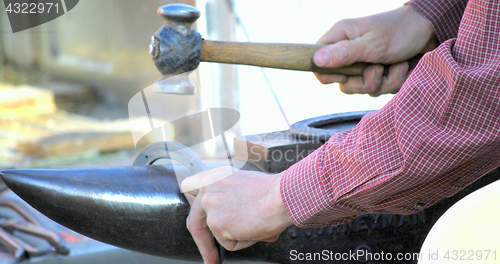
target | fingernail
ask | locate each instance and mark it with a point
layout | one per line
(322, 58)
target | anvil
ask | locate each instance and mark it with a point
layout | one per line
(141, 208)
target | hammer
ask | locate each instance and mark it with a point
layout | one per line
(177, 49)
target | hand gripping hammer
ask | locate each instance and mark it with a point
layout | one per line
(178, 48)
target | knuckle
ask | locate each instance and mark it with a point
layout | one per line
(216, 227)
(355, 85)
(192, 226)
(323, 81)
(228, 245)
(369, 86)
(227, 235)
(345, 24)
(393, 85)
(341, 51)
(389, 85)
(212, 225)
(331, 78)
(216, 175)
(206, 202)
(342, 22)
(373, 79)
(345, 89)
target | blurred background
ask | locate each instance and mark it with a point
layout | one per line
(67, 86)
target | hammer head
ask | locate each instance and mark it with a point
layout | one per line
(176, 48)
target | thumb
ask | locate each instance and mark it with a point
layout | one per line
(342, 53)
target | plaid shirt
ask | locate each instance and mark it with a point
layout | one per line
(440, 133)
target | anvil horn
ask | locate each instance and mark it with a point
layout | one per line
(141, 208)
(135, 207)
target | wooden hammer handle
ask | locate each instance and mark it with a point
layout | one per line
(278, 55)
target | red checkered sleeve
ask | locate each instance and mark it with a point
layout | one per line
(444, 15)
(437, 135)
